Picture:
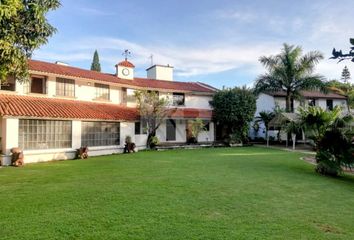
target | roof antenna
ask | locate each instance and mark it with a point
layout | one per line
(151, 57)
(126, 54)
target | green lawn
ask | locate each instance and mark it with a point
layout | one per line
(224, 193)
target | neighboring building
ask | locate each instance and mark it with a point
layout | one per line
(63, 108)
(271, 101)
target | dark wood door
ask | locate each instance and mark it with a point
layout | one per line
(170, 130)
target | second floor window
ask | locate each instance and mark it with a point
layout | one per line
(65, 87)
(329, 103)
(178, 99)
(312, 102)
(102, 91)
(38, 85)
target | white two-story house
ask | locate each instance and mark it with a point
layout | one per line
(62, 108)
(271, 101)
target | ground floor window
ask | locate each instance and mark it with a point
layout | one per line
(44, 134)
(170, 130)
(100, 133)
(141, 127)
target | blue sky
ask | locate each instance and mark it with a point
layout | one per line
(214, 41)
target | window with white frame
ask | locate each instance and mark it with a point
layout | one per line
(44, 134)
(141, 127)
(102, 91)
(100, 133)
(65, 87)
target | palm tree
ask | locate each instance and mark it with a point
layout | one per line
(265, 117)
(290, 72)
(333, 136)
(317, 121)
(293, 127)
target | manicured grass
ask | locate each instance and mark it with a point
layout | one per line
(225, 193)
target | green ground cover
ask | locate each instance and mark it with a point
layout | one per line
(223, 193)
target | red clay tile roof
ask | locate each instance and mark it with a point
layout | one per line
(190, 113)
(126, 63)
(44, 107)
(29, 106)
(312, 94)
(45, 67)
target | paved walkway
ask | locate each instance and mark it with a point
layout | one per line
(300, 148)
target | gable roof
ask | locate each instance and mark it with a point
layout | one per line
(312, 94)
(145, 83)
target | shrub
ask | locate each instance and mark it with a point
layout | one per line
(153, 142)
(326, 164)
(234, 138)
(129, 145)
(335, 151)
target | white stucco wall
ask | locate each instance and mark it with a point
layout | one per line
(51, 86)
(160, 73)
(197, 101)
(9, 138)
(265, 103)
(126, 129)
(84, 90)
(342, 103)
(76, 134)
(119, 72)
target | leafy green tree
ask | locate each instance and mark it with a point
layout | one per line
(343, 89)
(317, 121)
(196, 127)
(265, 117)
(23, 28)
(153, 110)
(291, 72)
(345, 75)
(234, 108)
(95, 65)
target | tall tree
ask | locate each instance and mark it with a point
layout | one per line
(346, 89)
(290, 72)
(23, 28)
(95, 65)
(345, 75)
(153, 110)
(234, 108)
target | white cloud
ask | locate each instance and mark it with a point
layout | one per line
(243, 16)
(188, 61)
(94, 11)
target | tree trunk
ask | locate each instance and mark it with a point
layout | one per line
(288, 103)
(150, 136)
(293, 136)
(267, 137)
